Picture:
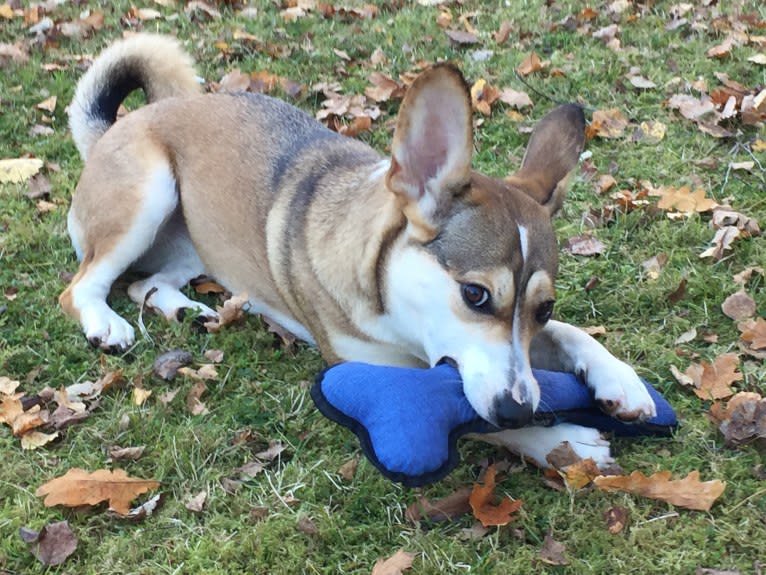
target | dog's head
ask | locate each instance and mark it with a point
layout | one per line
(476, 266)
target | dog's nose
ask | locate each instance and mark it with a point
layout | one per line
(511, 414)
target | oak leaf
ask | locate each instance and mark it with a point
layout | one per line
(484, 509)
(689, 493)
(743, 420)
(713, 381)
(683, 199)
(7, 385)
(722, 241)
(607, 124)
(394, 565)
(35, 439)
(79, 487)
(753, 333)
(738, 306)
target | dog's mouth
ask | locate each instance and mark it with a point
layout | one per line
(447, 360)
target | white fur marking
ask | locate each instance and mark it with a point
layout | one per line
(524, 239)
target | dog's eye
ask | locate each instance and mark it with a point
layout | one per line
(544, 311)
(476, 296)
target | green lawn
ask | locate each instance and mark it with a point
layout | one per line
(300, 515)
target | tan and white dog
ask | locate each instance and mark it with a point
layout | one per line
(407, 260)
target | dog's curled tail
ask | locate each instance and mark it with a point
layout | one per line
(156, 64)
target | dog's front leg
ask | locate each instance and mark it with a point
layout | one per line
(534, 443)
(616, 386)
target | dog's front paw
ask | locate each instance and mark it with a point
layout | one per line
(619, 391)
(107, 330)
(588, 443)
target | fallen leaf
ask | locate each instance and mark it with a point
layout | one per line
(738, 306)
(686, 337)
(722, 50)
(53, 544)
(689, 493)
(193, 403)
(604, 183)
(7, 385)
(484, 509)
(683, 200)
(502, 34)
(249, 470)
(758, 59)
(19, 170)
(123, 453)
(723, 217)
(37, 439)
(233, 310)
(594, 330)
(649, 132)
(483, 96)
(743, 420)
(654, 265)
(79, 487)
(140, 395)
(394, 565)
(742, 277)
(552, 552)
(531, 63)
(642, 83)
(518, 100)
(753, 333)
(607, 124)
(197, 503)
(447, 508)
(141, 512)
(214, 355)
(348, 470)
(461, 37)
(167, 364)
(721, 242)
(713, 381)
(584, 245)
(616, 519)
(275, 450)
(48, 105)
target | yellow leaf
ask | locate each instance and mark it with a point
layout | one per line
(140, 395)
(19, 170)
(759, 146)
(35, 439)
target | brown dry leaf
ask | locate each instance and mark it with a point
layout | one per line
(594, 330)
(722, 50)
(738, 306)
(580, 474)
(37, 439)
(167, 364)
(28, 420)
(357, 126)
(683, 200)
(461, 37)
(518, 100)
(48, 105)
(607, 124)
(483, 96)
(584, 245)
(530, 64)
(743, 420)
(502, 34)
(348, 469)
(13, 54)
(604, 183)
(233, 310)
(123, 453)
(447, 508)
(484, 509)
(384, 88)
(753, 333)
(394, 565)
(654, 265)
(744, 276)
(197, 503)
(8, 386)
(651, 132)
(695, 109)
(79, 487)
(721, 242)
(193, 403)
(713, 381)
(168, 396)
(642, 83)
(689, 493)
(616, 519)
(52, 544)
(723, 217)
(553, 552)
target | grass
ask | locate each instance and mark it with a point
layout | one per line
(263, 389)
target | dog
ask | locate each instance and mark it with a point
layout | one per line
(405, 260)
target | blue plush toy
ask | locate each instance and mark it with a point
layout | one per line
(409, 420)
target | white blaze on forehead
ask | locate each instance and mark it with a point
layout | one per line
(524, 240)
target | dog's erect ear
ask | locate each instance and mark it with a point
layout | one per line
(431, 151)
(552, 153)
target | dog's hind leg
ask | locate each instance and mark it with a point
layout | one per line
(173, 262)
(113, 221)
